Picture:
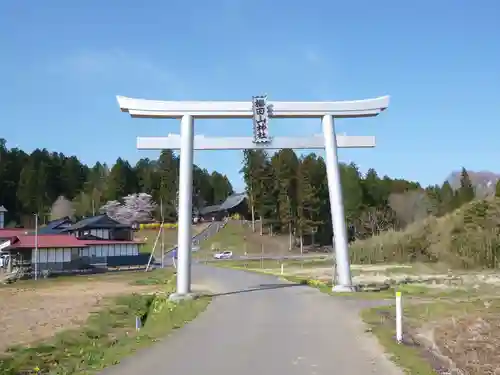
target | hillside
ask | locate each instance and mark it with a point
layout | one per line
(466, 238)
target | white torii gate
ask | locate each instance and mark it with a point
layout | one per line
(187, 142)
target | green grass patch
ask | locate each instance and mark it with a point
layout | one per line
(274, 264)
(231, 237)
(149, 236)
(107, 336)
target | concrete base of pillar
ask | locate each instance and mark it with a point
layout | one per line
(177, 297)
(344, 288)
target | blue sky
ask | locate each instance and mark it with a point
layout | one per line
(63, 63)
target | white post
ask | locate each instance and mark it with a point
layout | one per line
(399, 318)
(337, 207)
(185, 206)
(282, 270)
(36, 246)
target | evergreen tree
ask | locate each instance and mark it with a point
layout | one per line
(307, 200)
(352, 191)
(121, 181)
(466, 191)
(447, 201)
(285, 165)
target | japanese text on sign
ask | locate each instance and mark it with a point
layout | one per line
(260, 120)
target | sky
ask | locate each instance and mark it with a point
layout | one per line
(62, 64)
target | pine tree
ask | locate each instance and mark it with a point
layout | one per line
(352, 191)
(466, 192)
(285, 164)
(307, 200)
(447, 201)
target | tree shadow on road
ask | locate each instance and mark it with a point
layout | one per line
(260, 287)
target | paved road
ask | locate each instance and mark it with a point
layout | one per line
(276, 257)
(259, 325)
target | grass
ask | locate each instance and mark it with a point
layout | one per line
(272, 264)
(465, 332)
(149, 235)
(232, 237)
(109, 334)
(469, 237)
(169, 238)
(239, 238)
(406, 357)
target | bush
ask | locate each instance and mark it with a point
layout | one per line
(466, 238)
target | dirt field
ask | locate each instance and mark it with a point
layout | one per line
(28, 314)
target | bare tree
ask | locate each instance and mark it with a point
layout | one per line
(62, 207)
(373, 221)
(412, 206)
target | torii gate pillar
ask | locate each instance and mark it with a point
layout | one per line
(187, 143)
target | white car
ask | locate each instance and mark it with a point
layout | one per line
(224, 255)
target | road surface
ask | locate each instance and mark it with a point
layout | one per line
(259, 325)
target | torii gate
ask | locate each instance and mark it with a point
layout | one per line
(260, 110)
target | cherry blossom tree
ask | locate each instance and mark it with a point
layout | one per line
(136, 208)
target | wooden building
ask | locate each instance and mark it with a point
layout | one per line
(236, 203)
(63, 246)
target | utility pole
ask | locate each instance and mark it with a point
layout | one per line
(36, 246)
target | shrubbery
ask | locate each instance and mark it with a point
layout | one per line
(466, 238)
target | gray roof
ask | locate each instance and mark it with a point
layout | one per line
(52, 227)
(233, 201)
(209, 209)
(3, 209)
(99, 221)
(230, 202)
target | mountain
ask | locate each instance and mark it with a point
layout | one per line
(483, 181)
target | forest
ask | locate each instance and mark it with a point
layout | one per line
(291, 194)
(287, 191)
(31, 183)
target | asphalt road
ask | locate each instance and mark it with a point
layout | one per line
(276, 257)
(259, 325)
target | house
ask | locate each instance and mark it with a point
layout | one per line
(64, 246)
(100, 227)
(65, 253)
(235, 203)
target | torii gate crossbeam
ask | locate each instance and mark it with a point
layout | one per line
(187, 143)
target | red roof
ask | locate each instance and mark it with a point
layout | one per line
(58, 241)
(46, 241)
(109, 242)
(12, 232)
